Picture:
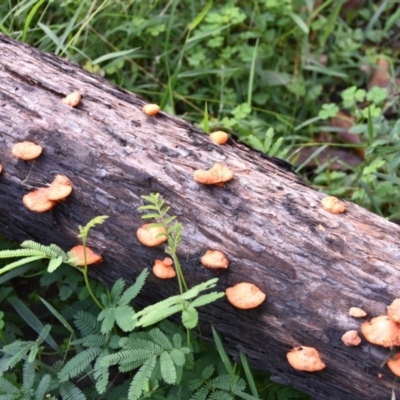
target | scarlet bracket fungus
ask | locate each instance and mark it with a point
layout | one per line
(77, 254)
(73, 99)
(37, 201)
(305, 359)
(357, 312)
(393, 311)
(214, 259)
(219, 137)
(381, 331)
(151, 236)
(333, 205)
(151, 109)
(26, 150)
(60, 188)
(245, 295)
(217, 175)
(164, 269)
(351, 338)
(394, 364)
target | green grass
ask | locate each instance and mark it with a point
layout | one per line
(271, 72)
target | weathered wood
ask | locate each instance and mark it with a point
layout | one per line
(313, 265)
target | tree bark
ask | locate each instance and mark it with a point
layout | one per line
(313, 265)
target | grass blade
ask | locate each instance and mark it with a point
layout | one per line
(222, 354)
(249, 375)
(29, 18)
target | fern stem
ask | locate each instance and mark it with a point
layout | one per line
(181, 278)
(87, 283)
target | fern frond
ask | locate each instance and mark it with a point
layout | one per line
(78, 364)
(168, 370)
(48, 251)
(92, 341)
(220, 395)
(125, 356)
(43, 387)
(18, 350)
(170, 328)
(101, 374)
(127, 366)
(207, 372)
(108, 317)
(178, 357)
(124, 316)
(60, 251)
(6, 387)
(84, 231)
(28, 375)
(117, 290)
(135, 289)
(201, 394)
(160, 338)
(141, 379)
(86, 323)
(19, 253)
(69, 391)
(44, 332)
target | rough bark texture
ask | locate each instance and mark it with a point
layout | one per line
(312, 264)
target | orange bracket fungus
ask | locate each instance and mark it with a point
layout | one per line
(214, 259)
(333, 205)
(381, 331)
(245, 295)
(351, 338)
(73, 99)
(26, 150)
(217, 175)
(305, 359)
(60, 188)
(164, 269)
(37, 201)
(357, 312)
(1, 168)
(394, 364)
(219, 137)
(393, 311)
(151, 236)
(77, 255)
(151, 109)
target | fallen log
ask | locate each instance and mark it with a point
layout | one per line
(313, 265)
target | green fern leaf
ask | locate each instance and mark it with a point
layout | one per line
(135, 289)
(86, 323)
(101, 374)
(168, 370)
(207, 299)
(28, 375)
(92, 341)
(44, 332)
(141, 379)
(117, 290)
(84, 231)
(124, 316)
(178, 357)
(220, 395)
(160, 338)
(201, 394)
(48, 251)
(19, 253)
(43, 387)
(207, 372)
(69, 391)
(108, 317)
(190, 317)
(126, 356)
(18, 350)
(78, 364)
(6, 387)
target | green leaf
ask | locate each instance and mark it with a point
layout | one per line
(108, 317)
(54, 264)
(113, 55)
(168, 369)
(299, 22)
(124, 315)
(29, 18)
(190, 317)
(200, 16)
(135, 289)
(207, 299)
(222, 354)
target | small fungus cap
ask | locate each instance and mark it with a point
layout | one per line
(305, 359)
(26, 150)
(351, 338)
(214, 259)
(357, 312)
(381, 331)
(151, 109)
(60, 188)
(164, 269)
(333, 205)
(73, 99)
(219, 137)
(218, 174)
(394, 364)
(393, 311)
(78, 257)
(245, 295)
(151, 236)
(37, 201)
